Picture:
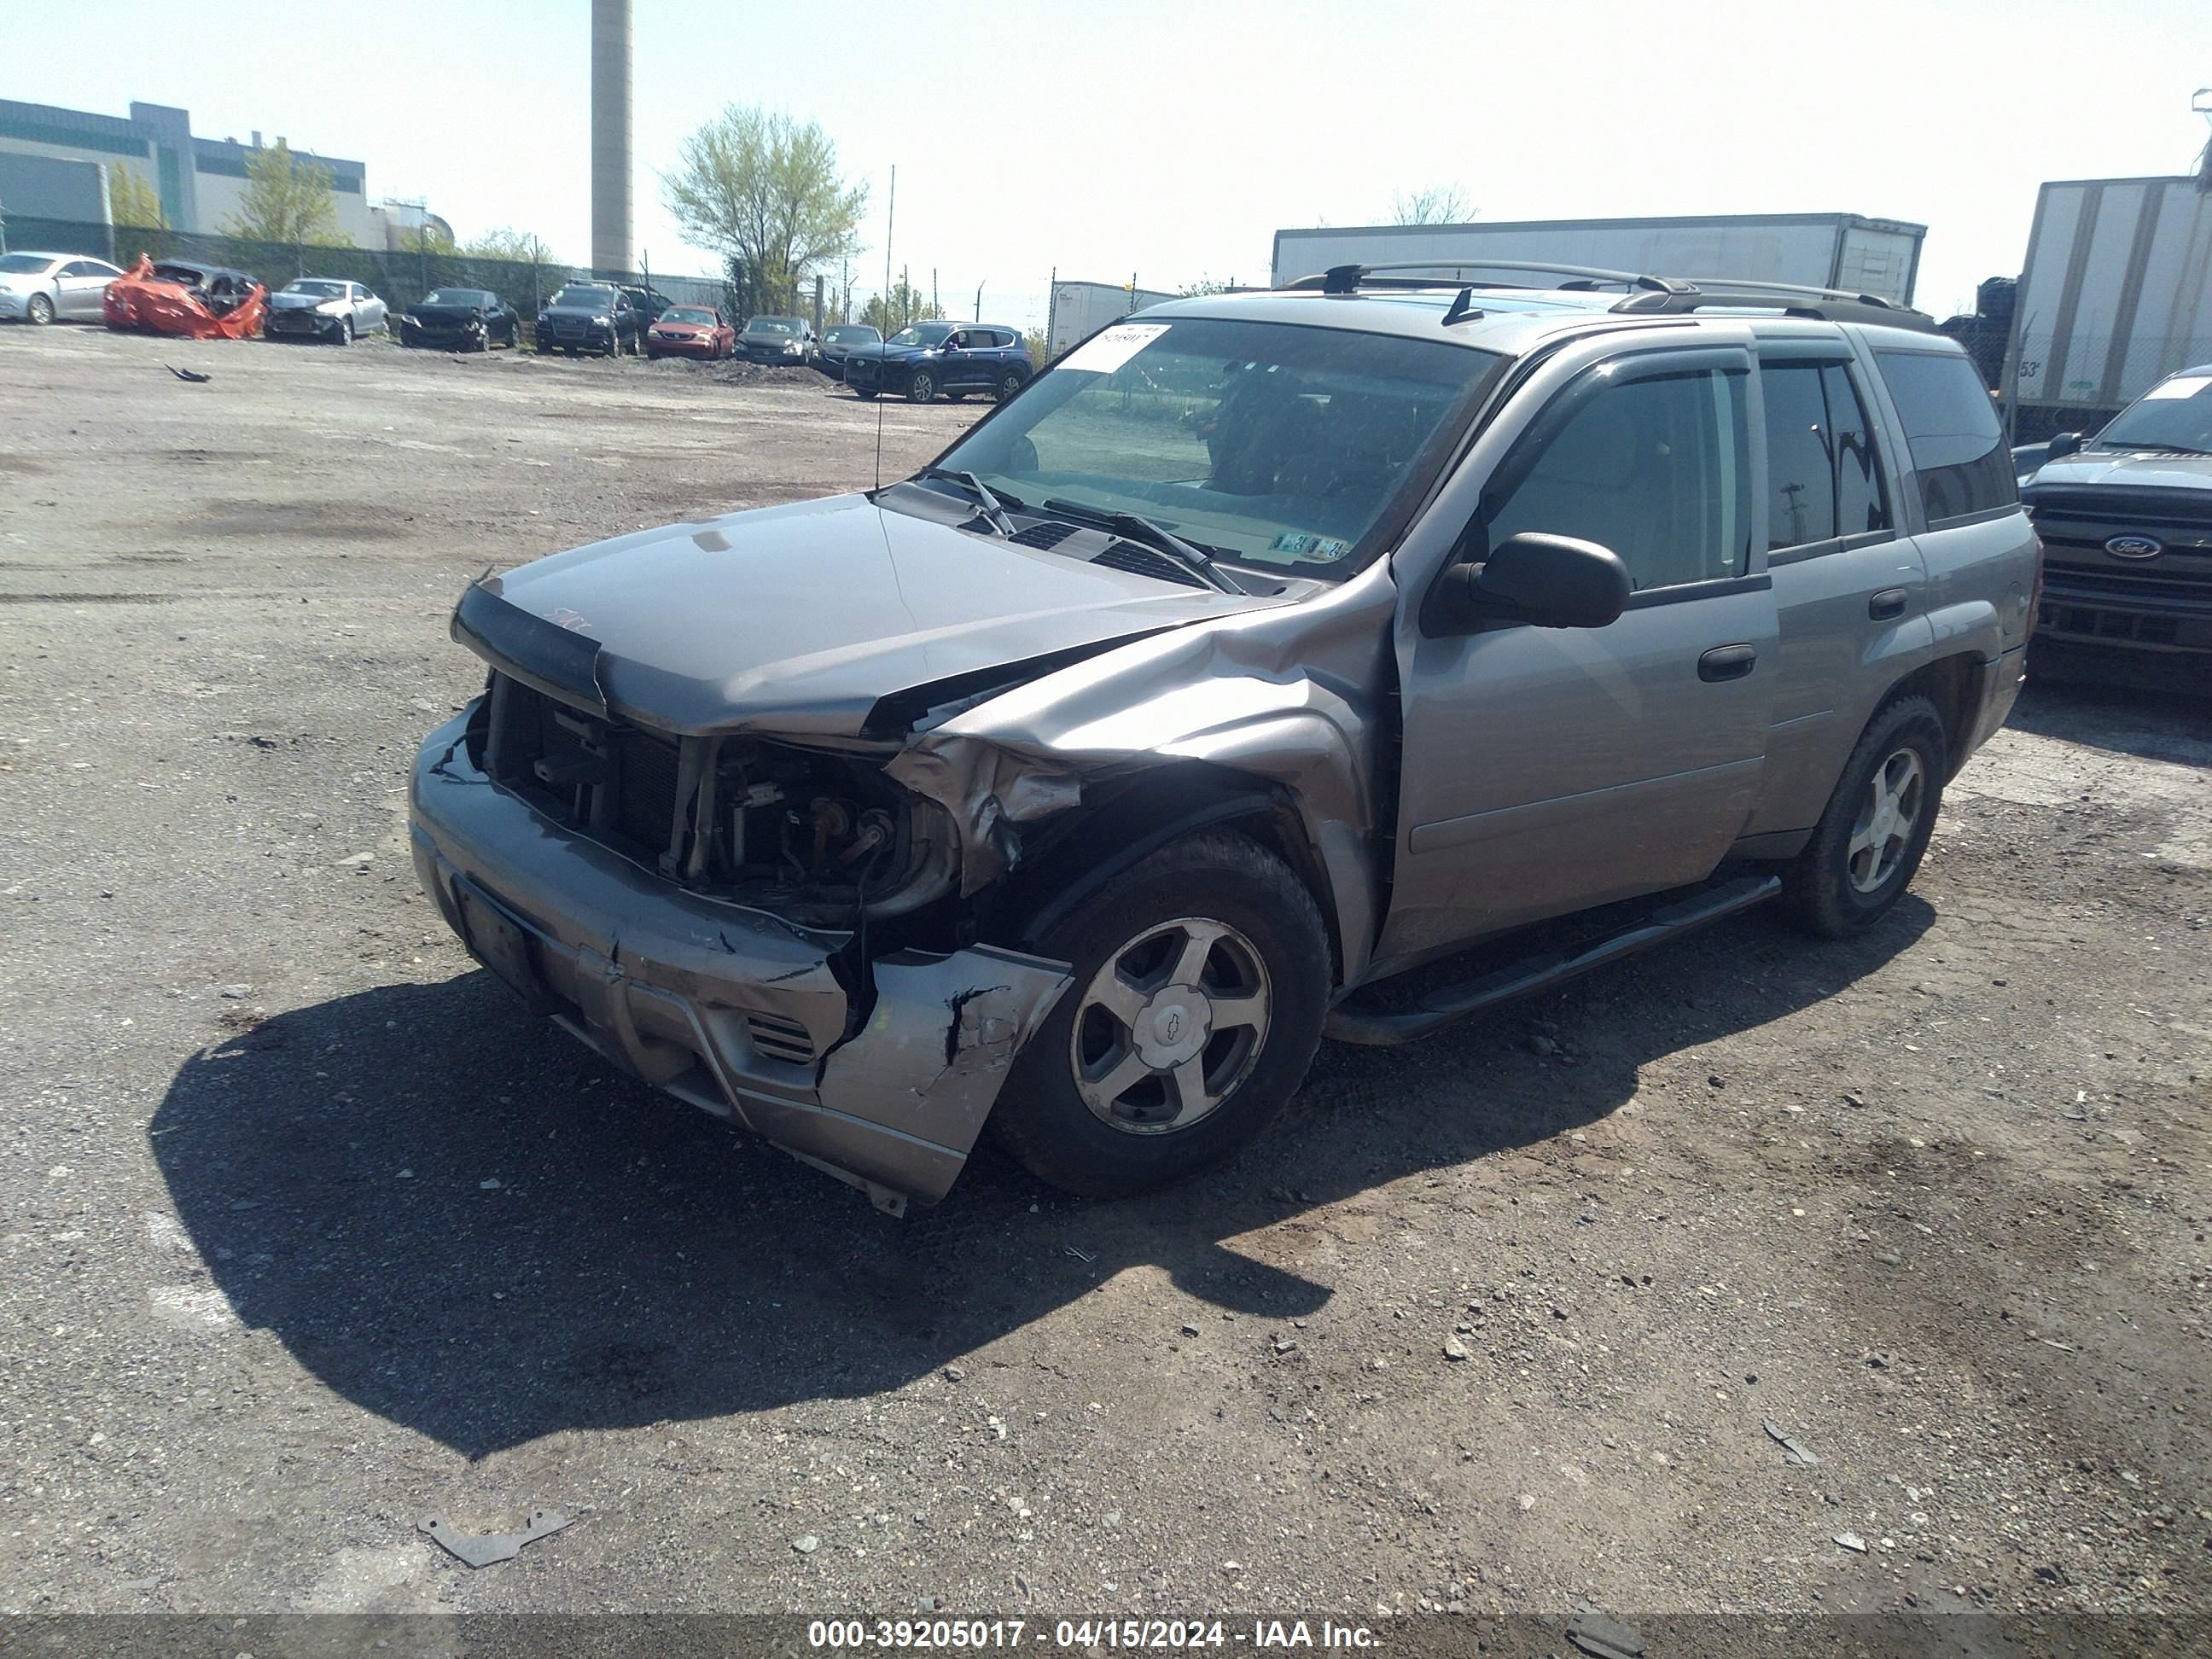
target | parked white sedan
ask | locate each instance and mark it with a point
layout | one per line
(39, 288)
(324, 308)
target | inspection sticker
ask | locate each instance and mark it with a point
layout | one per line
(1106, 351)
(2181, 386)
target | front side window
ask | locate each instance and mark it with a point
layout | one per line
(1951, 428)
(922, 334)
(1272, 444)
(1658, 469)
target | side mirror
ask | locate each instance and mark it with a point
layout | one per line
(1539, 581)
(2064, 443)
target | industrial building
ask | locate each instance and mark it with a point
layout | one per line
(59, 164)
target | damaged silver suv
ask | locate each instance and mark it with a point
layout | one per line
(1266, 648)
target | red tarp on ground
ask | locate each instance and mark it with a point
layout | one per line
(138, 299)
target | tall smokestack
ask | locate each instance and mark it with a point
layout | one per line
(611, 228)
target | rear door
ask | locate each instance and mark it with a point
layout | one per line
(1849, 590)
(82, 285)
(1545, 770)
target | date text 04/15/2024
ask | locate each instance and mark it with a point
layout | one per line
(1125, 1635)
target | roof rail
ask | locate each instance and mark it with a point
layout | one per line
(1350, 279)
(1794, 299)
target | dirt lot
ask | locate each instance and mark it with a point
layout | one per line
(310, 1232)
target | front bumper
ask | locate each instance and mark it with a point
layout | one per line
(13, 307)
(730, 1008)
(680, 345)
(439, 334)
(2149, 611)
(306, 325)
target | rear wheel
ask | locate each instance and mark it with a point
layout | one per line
(1201, 979)
(1870, 840)
(40, 310)
(920, 386)
(1011, 382)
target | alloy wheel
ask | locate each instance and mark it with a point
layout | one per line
(1169, 1026)
(1882, 833)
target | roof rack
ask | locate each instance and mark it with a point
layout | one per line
(1648, 294)
(1350, 279)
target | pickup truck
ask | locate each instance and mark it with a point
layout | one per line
(2126, 523)
(1264, 648)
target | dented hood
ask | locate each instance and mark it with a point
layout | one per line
(832, 618)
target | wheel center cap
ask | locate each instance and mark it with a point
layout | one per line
(1175, 1025)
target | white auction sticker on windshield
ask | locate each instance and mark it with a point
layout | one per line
(2181, 386)
(1106, 351)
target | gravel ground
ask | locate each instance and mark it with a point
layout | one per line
(310, 1232)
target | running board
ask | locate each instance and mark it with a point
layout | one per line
(1539, 973)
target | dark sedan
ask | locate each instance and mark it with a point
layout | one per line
(460, 319)
(788, 340)
(839, 339)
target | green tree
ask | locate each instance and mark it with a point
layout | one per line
(522, 247)
(1204, 286)
(764, 190)
(132, 200)
(288, 201)
(1040, 346)
(891, 312)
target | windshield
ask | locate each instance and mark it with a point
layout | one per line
(2175, 414)
(688, 314)
(321, 290)
(772, 325)
(1272, 444)
(850, 336)
(599, 298)
(11, 262)
(457, 296)
(922, 334)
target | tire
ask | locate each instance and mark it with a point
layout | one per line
(1261, 939)
(343, 333)
(952, 396)
(1863, 856)
(39, 311)
(920, 386)
(1011, 382)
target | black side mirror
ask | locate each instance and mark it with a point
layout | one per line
(1539, 580)
(2064, 443)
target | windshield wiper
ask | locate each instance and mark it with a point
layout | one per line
(1130, 528)
(994, 508)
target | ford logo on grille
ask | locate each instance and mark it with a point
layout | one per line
(2135, 547)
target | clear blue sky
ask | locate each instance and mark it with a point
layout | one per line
(1172, 140)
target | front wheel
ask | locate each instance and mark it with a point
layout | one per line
(343, 334)
(1870, 840)
(1201, 980)
(921, 387)
(40, 310)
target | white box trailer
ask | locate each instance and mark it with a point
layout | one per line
(1082, 308)
(1846, 251)
(2115, 294)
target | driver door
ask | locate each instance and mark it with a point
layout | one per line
(1546, 770)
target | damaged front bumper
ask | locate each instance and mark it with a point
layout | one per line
(879, 1071)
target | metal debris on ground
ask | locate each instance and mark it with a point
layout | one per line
(1852, 1542)
(191, 375)
(1601, 1637)
(1790, 1450)
(482, 1549)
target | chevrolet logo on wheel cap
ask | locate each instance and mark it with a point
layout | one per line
(2135, 547)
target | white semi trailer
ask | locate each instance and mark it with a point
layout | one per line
(1844, 251)
(1082, 308)
(2114, 295)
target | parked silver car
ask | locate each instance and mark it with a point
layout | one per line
(1266, 647)
(327, 309)
(45, 287)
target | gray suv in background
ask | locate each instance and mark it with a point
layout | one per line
(1267, 647)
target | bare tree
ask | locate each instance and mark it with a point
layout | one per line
(1440, 204)
(764, 190)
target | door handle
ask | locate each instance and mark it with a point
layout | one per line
(1887, 604)
(1726, 662)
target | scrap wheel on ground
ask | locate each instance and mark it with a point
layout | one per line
(1870, 840)
(1201, 980)
(40, 309)
(920, 386)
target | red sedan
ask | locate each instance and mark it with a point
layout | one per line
(690, 332)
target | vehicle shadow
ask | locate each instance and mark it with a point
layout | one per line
(2173, 723)
(460, 1219)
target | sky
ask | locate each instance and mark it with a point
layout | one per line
(1169, 141)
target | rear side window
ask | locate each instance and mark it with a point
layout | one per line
(1657, 470)
(1951, 428)
(1822, 479)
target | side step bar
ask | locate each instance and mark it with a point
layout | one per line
(1539, 973)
